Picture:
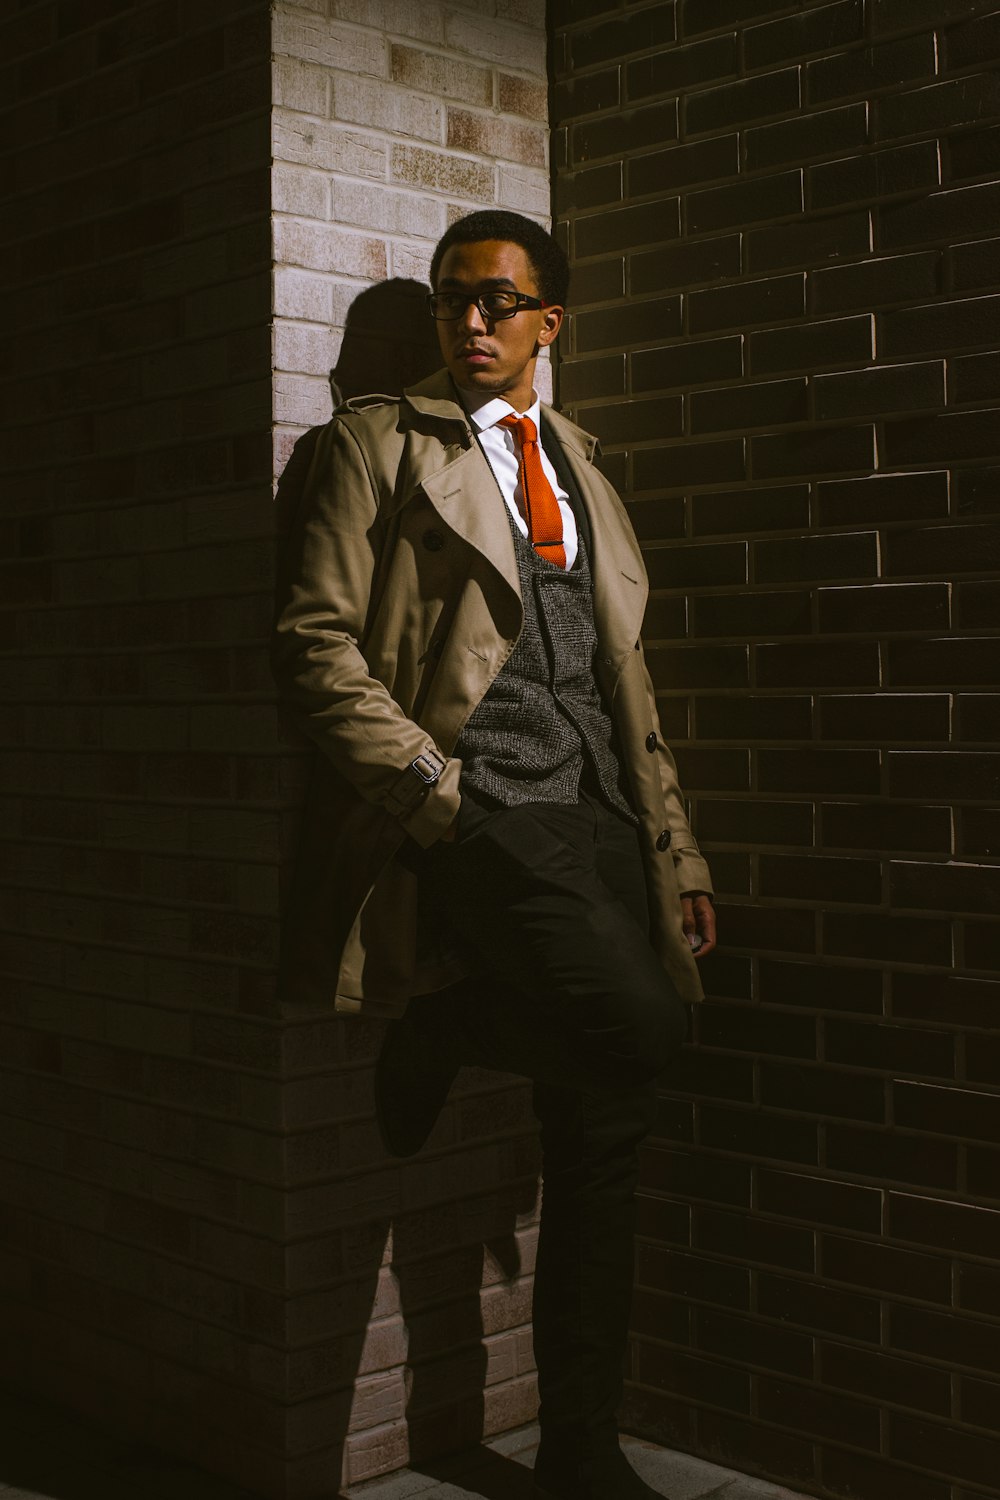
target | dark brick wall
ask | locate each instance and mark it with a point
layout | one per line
(141, 1154)
(786, 326)
(202, 1241)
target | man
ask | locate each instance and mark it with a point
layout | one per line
(458, 630)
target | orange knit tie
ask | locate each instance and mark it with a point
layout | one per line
(543, 516)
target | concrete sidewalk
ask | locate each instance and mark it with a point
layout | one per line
(500, 1470)
(48, 1454)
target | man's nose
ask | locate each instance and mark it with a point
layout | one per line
(472, 320)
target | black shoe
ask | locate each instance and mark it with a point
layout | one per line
(608, 1477)
(413, 1076)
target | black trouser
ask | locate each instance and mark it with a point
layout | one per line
(549, 902)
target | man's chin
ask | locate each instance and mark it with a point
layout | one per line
(479, 378)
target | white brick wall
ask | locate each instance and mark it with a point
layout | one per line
(391, 118)
(195, 1205)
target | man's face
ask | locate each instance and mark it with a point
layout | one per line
(493, 357)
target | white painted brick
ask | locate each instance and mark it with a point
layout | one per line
(509, 1405)
(411, 261)
(283, 443)
(501, 1358)
(296, 190)
(446, 78)
(458, 176)
(543, 377)
(327, 145)
(378, 1399)
(377, 1452)
(305, 349)
(385, 1345)
(323, 247)
(423, 22)
(496, 41)
(301, 86)
(343, 294)
(376, 105)
(525, 189)
(387, 1302)
(315, 39)
(383, 209)
(523, 96)
(525, 1351)
(301, 399)
(370, 13)
(413, 18)
(527, 12)
(297, 294)
(487, 134)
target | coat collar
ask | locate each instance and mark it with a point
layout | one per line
(464, 493)
(437, 397)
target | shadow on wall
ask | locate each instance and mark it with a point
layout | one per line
(389, 343)
(437, 1253)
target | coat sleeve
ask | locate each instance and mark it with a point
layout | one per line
(325, 580)
(689, 863)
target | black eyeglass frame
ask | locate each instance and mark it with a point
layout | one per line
(524, 303)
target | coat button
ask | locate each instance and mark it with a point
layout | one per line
(663, 841)
(651, 741)
(433, 541)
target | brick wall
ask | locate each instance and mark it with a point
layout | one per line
(141, 1156)
(786, 326)
(390, 120)
(200, 1239)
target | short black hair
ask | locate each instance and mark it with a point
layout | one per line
(547, 257)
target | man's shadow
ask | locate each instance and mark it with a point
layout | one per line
(389, 343)
(437, 1252)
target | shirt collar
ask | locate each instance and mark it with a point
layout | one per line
(487, 411)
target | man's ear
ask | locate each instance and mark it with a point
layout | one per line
(551, 323)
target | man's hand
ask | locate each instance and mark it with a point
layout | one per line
(699, 922)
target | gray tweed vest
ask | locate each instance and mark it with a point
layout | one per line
(542, 723)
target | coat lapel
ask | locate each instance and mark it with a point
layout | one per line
(620, 585)
(464, 492)
(466, 497)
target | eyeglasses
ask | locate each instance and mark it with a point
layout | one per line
(494, 306)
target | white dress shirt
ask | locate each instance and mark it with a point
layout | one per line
(501, 452)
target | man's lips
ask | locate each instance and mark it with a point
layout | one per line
(475, 356)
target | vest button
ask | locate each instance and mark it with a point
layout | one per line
(651, 741)
(663, 841)
(433, 541)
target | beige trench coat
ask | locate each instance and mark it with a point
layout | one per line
(399, 602)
